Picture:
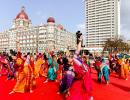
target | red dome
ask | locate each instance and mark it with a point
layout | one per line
(60, 27)
(22, 15)
(50, 20)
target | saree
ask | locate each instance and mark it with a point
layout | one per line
(20, 76)
(67, 80)
(25, 78)
(81, 88)
(30, 80)
(59, 73)
(4, 66)
(124, 71)
(44, 69)
(37, 67)
(51, 71)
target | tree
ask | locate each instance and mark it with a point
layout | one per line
(116, 45)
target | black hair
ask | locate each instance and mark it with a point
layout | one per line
(45, 57)
(10, 58)
(13, 53)
(65, 61)
(28, 53)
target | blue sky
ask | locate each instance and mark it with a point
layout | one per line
(69, 13)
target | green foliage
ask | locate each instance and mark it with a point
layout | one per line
(117, 45)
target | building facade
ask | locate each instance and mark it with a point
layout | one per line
(36, 38)
(102, 21)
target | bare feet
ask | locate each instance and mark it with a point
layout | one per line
(11, 92)
(107, 82)
(67, 94)
(45, 81)
(31, 91)
(58, 92)
(91, 98)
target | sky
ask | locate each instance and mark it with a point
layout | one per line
(69, 13)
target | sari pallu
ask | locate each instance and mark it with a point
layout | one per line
(104, 72)
(52, 70)
(25, 80)
(124, 70)
(67, 80)
(20, 76)
(30, 80)
(20, 82)
(44, 69)
(37, 66)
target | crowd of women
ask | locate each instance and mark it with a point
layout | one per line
(120, 66)
(71, 71)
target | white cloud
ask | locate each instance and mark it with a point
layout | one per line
(125, 18)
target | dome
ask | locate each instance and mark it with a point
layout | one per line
(22, 15)
(60, 26)
(50, 20)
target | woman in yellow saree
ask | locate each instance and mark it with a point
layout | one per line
(38, 65)
(125, 69)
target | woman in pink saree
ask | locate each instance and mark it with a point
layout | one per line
(81, 88)
(4, 66)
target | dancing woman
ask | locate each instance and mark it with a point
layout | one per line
(78, 83)
(51, 75)
(5, 66)
(44, 67)
(29, 74)
(20, 76)
(125, 69)
(68, 77)
(81, 88)
(38, 64)
(104, 71)
(25, 75)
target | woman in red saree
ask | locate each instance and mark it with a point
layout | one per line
(4, 66)
(29, 74)
(81, 87)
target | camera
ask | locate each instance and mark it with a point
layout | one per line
(78, 34)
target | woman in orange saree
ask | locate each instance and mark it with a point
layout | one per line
(125, 69)
(25, 76)
(44, 68)
(38, 65)
(20, 76)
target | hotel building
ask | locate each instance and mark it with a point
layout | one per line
(102, 21)
(36, 38)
